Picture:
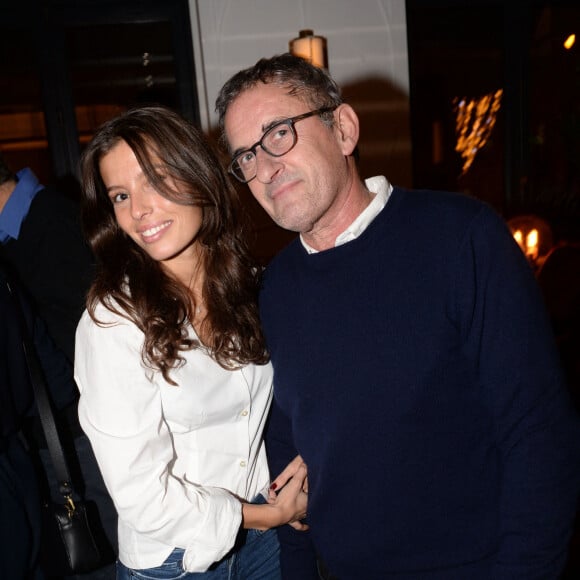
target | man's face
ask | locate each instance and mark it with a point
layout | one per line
(302, 190)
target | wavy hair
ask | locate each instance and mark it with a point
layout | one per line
(130, 283)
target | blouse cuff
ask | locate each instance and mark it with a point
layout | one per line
(217, 533)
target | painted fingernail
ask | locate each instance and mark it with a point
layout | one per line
(273, 486)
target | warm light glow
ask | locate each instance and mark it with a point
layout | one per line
(534, 237)
(310, 47)
(569, 42)
(474, 122)
(532, 243)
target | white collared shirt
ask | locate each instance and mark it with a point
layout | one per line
(382, 190)
(172, 457)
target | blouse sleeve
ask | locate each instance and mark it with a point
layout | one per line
(121, 412)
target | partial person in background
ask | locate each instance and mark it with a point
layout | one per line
(20, 500)
(19, 494)
(415, 369)
(170, 359)
(41, 240)
(42, 244)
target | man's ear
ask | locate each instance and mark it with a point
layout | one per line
(347, 127)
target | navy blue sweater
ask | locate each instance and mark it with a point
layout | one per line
(416, 374)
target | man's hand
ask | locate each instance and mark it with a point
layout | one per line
(293, 478)
(289, 472)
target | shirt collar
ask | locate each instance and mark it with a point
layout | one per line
(381, 189)
(18, 204)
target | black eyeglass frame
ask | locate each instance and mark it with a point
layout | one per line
(290, 121)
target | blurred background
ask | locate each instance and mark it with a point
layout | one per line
(479, 96)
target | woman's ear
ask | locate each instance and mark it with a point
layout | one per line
(347, 127)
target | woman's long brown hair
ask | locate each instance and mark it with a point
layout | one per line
(134, 285)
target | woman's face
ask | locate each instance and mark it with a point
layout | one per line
(163, 228)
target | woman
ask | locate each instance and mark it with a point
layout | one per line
(170, 359)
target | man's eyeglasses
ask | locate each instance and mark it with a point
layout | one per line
(276, 141)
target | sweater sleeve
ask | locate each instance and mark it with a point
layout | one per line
(506, 333)
(121, 411)
(297, 555)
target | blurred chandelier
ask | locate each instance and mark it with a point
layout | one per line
(474, 122)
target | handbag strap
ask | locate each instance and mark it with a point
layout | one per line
(43, 402)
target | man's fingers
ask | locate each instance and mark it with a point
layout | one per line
(288, 472)
(299, 526)
(297, 481)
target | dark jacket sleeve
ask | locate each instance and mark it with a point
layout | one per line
(16, 398)
(297, 555)
(508, 337)
(53, 263)
(55, 365)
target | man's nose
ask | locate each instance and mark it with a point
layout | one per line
(267, 166)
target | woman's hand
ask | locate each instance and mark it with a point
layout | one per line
(286, 507)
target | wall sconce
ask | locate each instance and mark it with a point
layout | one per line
(310, 47)
(534, 237)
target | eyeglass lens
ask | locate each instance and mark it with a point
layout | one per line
(276, 141)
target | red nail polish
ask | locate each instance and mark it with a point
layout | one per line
(273, 486)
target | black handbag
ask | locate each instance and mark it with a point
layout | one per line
(68, 544)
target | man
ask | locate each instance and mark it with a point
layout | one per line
(414, 367)
(19, 495)
(41, 240)
(20, 499)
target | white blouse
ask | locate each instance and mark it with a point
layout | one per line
(172, 457)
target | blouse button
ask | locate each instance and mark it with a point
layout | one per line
(242, 463)
(244, 413)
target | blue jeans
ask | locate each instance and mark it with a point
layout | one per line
(257, 559)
